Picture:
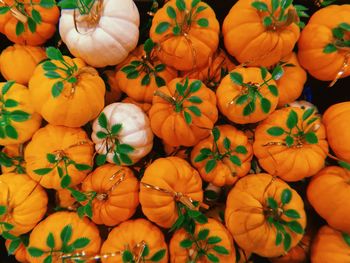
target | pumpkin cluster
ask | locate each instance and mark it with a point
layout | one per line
(175, 139)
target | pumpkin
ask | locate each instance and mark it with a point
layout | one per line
(291, 143)
(330, 245)
(58, 157)
(23, 204)
(135, 239)
(336, 120)
(19, 251)
(87, 31)
(180, 183)
(144, 106)
(18, 62)
(224, 157)
(122, 134)
(322, 48)
(258, 34)
(113, 92)
(59, 87)
(218, 66)
(18, 120)
(183, 112)
(265, 215)
(291, 84)
(199, 246)
(328, 192)
(65, 199)
(187, 33)
(117, 194)
(60, 236)
(143, 73)
(28, 22)
(12, 159)
(248, 95)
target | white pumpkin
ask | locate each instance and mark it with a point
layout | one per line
(135, 132)
(105, 36)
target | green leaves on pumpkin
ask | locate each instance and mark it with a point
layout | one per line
(84, 6)
(129, 257)
(85, 199)
(339, 38)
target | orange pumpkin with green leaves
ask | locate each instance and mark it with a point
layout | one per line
(224, 157)
(58, 157)
(61, 236)
(186, 33)
(209, 242)
(135, 240)
(12, 159)
(248, 95)
(291, 143)
(265, 215)
(183, 112)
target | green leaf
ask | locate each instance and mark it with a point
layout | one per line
(249, 108)
(19, 28)
(330, 48)
(345, 165)
(195, 110)
(162, 27)
(261, 6)
(101, 135)
(148, 46)
(295, 227)
(7, 87)
(10, 103)
(279, 238)
(54, 53)
(160, 81)
(160, 67)
(14, 244)
(236, 78)
(307, 113)
(292, 119)
(88, 210)
(273, 89)
(2, 210)
(9, 236)
(263, 72)
(125, 148)
(127, 256)
(81, 242)
(241, 149)
(180, 89)
(286, 3)
(203, 234)
(81, 211)
(200, 158)
(235, 160)
(186, 243)
(311, 138)
(216, 133)
(11, 132)
(146, 80)
(346, 238)
(275, 4)
(158, 256)
(345, 26)
(116, 159)
(125, 159)
(50, 241)
(129, 68)
(65, 182)
(4, 9)
(47, 3)
(60, 171)
(48, 259)
(289, 140)
(195, 86)
(203, 22)
(338, 32)
(195, 3)
(57, 89)
(287, 240)
(171, 12)
(242, 99)
(133, 75)
(67, 4)
(42, 171)
(82, 167)
(286, 196)
(195, 99)
(272, 203)
(181, 5)
(277, 72)
(202, 219)
(227, 143)
(291, 213)
(36, 16)
(176, 30)
(221, 250)
(101, 159)
(19, 116)
(35, 252)
(200, 9)
(275, 131)
(188, 117)
(214, 240)
(7, 226)
(145, 252)
(265, 105)
(102, 120)
(193, 213)
(312, 120)
(79, 196)
(212, 258)
(267, 21)
(116, 128)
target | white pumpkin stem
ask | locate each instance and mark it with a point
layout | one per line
(16, 13)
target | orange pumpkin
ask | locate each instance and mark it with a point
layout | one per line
(265, 215)
(329, 193)
(322, 48)
(136, 238)
(200, 246)
(12, 159)
(144, 106)
(183, 112)
(257, 34)
(18, 120)
(224, 157)
(291, 143)
(181, 152)
(187, 34)
(23, 203)
(60, 101)
(247, 95)
(62, 235)
(177, 178)
(65, 199)
(113, 92)
(58, 157)
(142, 74)
(330, 245)
(117, 194)
(336, 120)
(28, 22)
(19, 252)
(18, 62)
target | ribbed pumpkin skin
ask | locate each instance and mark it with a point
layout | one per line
(133, 232)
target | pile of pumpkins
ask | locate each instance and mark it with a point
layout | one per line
(173, 150)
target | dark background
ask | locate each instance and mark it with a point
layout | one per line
(315, 91)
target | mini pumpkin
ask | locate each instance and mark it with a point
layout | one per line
(113, 92)
(248, 95)
(65, 199)
(180, 183)
(18, 62)
(30, 22)
(12, 159)
(117, 194)
(87, 31)
(187, 33)
(122, 134)
(224, 157)
(323, 49)
(265, 215)
(210, 242)
(60, 86)
(336, 120)
(23, 204)
(135, 239)
(259, 34)
(330, 245)
(291, 143)
(329, 193)
(183, 112)
(18, 120)
(58, 157)
(60, 236)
